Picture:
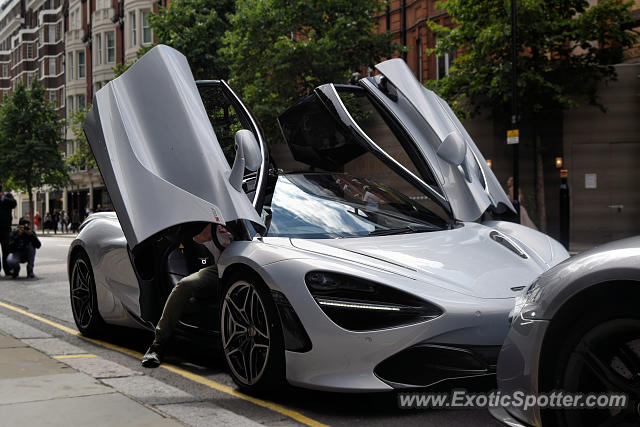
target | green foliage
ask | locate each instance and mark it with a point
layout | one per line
(280, 50)
(30, 139)
(196, 28)
(82, 157)
(566, 47)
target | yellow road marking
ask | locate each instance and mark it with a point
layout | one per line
(172, 368)
(74, 356)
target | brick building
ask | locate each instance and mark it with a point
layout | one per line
(593, 144)
(72, 47)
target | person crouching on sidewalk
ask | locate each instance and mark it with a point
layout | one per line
(23, 243)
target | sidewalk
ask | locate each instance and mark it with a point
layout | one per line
(46, 381)
(38, 390)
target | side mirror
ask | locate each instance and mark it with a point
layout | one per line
(453, 149)
(248, 155)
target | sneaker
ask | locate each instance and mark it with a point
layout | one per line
(153, 357)
(31, 276)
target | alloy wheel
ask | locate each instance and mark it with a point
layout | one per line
(606, 360)
(82, 294)
(246, 338)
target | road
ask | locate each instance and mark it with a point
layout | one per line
(200, 374)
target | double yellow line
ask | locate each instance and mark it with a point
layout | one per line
(172, 368)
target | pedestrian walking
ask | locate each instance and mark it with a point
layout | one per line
(7, 204)
(47, 222)
(65, 221)
(55, 219)
(37, 220)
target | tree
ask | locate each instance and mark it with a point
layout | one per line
(30, 136)
(280, 50)
(196, 28)
(82, 157)
(565, 49)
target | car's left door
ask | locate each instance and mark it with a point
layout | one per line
(161, 159)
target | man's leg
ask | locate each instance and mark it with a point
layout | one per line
(4, 245)
(173, 308)
(13, 263)
(31, 260)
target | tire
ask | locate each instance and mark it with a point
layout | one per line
(600, 354)
(251, 335)
(84, 301)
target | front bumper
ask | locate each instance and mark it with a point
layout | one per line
(351, 361)
(519, 365)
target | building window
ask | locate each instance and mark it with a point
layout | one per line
(29, 51)
(111, 47)
(444, 64)
(69, 66)
(52, 66)
(98, 45)
(52, 33)
(52, 96)
(146, 29)
(5, 70)
(134, 30)
(81, 65)
(82, 103)
(29, 79)
(69, 106)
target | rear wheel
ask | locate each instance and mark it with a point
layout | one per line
(251, 335)
(84, 301)
(601, 356)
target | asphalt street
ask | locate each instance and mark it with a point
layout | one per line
(199, 373)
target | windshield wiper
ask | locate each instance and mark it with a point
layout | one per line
(408, 229)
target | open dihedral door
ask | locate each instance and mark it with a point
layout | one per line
(160, 158)
(157, 152)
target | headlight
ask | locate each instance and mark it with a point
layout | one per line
(357, 304)
(527, 298)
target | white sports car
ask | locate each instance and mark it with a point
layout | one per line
(361, 260)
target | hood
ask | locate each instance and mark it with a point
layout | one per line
(469, 260)
(471, 187)
(157, 152)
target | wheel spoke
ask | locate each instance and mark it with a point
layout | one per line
(630, 360)
(238, 316)
(605, 375)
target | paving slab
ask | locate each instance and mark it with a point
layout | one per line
(28, 362)
(104, 410)
(44, 387)
(20, 330)
(9, 342)
(53, 346)
(204, 414)
(98, 367)
(149, 390)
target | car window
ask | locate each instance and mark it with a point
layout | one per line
(377, 129)
(224, 118)
(332, 205)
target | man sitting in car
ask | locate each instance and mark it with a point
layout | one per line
(191, 285)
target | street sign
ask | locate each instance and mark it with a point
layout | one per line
(513, 136)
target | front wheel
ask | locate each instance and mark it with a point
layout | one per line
(84, 301)
(601, 358)
(251, 335)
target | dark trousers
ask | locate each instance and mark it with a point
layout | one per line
(15, 258)
(4, 245)
(194, 284)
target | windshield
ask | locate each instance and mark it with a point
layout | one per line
(334, 205)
